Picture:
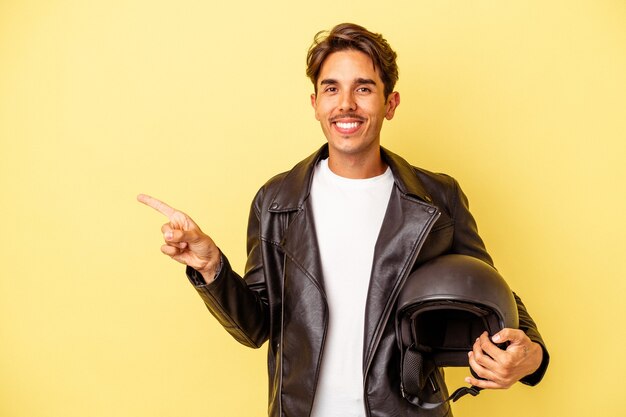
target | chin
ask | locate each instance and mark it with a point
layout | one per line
(348, 148)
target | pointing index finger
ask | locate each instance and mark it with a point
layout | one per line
(156, 204)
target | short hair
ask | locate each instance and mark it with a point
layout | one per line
(351, 36)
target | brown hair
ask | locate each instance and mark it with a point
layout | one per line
(350, 36)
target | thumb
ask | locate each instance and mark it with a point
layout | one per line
(514, 336)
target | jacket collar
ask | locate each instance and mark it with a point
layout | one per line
(296, 186)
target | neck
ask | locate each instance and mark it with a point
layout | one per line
(357, 166)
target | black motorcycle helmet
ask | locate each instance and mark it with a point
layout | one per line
(442, 308)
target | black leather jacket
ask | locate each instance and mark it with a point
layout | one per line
(281, 297)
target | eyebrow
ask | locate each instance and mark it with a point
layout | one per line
(365, 81)
(330, 81)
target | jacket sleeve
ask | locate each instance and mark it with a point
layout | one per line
(467, 241)
(240, 305)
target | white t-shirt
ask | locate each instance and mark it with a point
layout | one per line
(348, 214)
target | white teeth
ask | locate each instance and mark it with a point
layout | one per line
(352, 125)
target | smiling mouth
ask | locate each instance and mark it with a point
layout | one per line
(347, 128)
(347, 125)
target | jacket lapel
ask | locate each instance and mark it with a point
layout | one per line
(300, 245)
(407, 222)
(300, 239)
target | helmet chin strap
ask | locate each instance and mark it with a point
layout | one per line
(474, 391)
(460, 392)
(417, 372)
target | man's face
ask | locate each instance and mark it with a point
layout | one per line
(350, 104)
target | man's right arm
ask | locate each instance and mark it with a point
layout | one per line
(240, 308)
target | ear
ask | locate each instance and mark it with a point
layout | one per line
(393, 101)
(314, 104)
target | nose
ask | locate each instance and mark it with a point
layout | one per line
(347, 102)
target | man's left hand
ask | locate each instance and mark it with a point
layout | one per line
(502, 368)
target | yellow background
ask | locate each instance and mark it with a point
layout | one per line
(199, 102)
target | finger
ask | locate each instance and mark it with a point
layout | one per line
(177, 237)
(171, 251)
(500, 383)
(174, 237)
(490, 349)
(178, 245)
(484, 372)
(156, 204)
(511, 335)
(483, 383)
(519, 345)
(179, 220)
(483, 351)
(478, 361)
(171, 234)
(167, 227)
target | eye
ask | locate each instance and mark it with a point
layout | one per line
(330, 89)
(363, 90)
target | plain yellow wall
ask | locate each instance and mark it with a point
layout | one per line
(198, 103)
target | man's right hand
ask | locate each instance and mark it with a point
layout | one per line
(184, 241)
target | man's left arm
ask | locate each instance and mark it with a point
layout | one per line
(526, 357)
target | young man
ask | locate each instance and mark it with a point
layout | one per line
(330, 244)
